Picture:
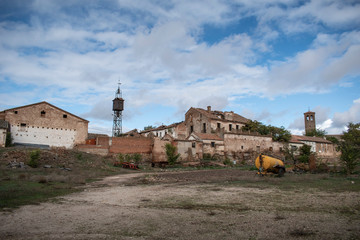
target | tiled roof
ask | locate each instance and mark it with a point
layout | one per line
(310, 139)
(208, 136)
(11, 109)
(162, 127)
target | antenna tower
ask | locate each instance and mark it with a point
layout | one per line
(118, 107)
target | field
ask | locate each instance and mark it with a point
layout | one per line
(197, 204)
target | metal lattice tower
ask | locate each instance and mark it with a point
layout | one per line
(118, 107)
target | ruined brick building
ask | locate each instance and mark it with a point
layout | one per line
(45, 124)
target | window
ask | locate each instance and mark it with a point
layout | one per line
(42, 114)
(218, 125)
(191, 129)
(193, 144)
(22, 126)
(230, 127)
(204, 127)
(242, 147)
(16, 112)
(237, 127)
(64, 116)
(212, 144)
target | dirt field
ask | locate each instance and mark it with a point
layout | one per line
(207, 204)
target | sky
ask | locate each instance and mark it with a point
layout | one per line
(269, 61)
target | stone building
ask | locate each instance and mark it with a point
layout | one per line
(199, 120)
(44, 124)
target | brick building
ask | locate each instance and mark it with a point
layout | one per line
(45, 124)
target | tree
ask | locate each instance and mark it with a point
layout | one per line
(305, 152)
(171, 155)
(316, 133)
(350, 148)
(278, 134)
(149, 127)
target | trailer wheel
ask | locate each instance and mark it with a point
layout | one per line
(281, 172)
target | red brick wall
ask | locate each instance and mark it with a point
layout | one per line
(131, 145)
(103, 141)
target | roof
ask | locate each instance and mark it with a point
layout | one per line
(309, 139)
(219, 115)
(43, 102)
(4, 124)
(162, 127)
(208, 136)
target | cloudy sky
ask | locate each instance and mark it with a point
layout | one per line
(269, 61)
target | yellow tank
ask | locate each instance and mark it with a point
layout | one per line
(269, 164)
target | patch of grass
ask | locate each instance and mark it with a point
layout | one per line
(322, 182)
(301, 233)
(14, 193)
(190, 204)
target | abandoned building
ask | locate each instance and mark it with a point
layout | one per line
(43, 124)
(204, 133)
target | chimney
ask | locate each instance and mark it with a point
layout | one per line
(209, 109)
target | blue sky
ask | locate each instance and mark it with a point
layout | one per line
(269, 61)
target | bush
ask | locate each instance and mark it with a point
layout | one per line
(171, 155)
(228, 162)
(137, 157)
(8, 141)
(121, 158)
(34, 158)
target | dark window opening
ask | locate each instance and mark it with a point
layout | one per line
(16, 112)
(242, 147)
(191, 129)
(237, 127)
(230, 127)
(219, 125)
(43, 113)
(64, 116)
(193, 145)
(204, 127)
(22, 124)
(212, 144)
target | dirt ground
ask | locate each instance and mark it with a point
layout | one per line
(207, 204)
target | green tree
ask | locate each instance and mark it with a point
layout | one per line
(350, 148)
(316, 133)
(279, 134)
(305, 151)
(171, 155)
(149, 127)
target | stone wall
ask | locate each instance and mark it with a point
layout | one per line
(2, 137)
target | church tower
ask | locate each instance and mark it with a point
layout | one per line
(310, 124)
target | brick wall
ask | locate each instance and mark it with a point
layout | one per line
(131, 145)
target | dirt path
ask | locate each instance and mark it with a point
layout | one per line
(174, 206)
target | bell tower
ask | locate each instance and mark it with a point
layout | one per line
(118, 107)
(310, 124)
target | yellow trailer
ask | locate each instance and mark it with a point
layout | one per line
(267, 164)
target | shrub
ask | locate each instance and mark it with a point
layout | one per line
(121, 158)
(34, 158)
(137, 157)
(228, 162)
(171, 155)
(9, 139)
